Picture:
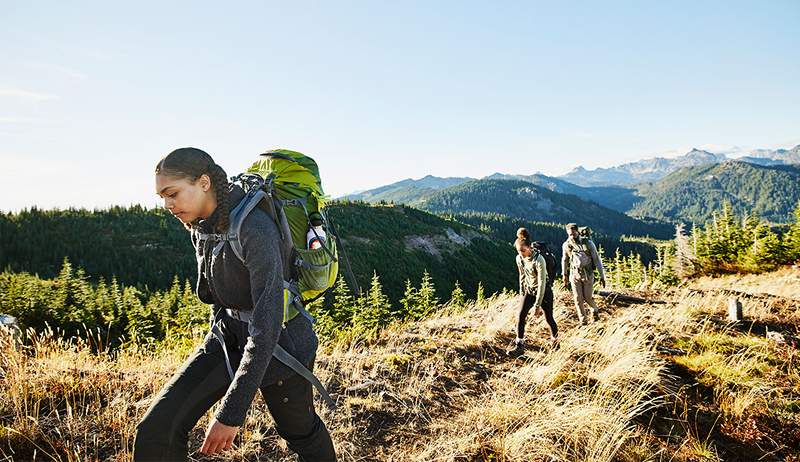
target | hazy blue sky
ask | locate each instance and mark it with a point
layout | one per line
(92, 94)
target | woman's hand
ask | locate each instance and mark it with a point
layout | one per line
(219, 437)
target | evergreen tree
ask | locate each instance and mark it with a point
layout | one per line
(409, 301)
(457, 298)
(426, 298)
(480, 294)
(375, 311)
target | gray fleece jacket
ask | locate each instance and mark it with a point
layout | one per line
(257, 285)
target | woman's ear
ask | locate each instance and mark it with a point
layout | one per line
(205, 182)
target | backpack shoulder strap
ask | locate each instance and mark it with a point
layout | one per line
(237, 216)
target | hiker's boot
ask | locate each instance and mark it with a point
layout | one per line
(516, 348)
(554, 343)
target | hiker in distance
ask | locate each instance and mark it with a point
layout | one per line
(535, 288)
(236, 358)
(578, 263)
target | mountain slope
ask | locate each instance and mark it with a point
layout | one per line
(522, 199)
(692, 194)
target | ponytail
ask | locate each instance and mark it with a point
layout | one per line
(219, 181)
(523, 238)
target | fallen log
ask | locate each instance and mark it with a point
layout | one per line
(616, 296)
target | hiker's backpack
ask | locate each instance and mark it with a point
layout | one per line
(581, 263)
(286, 184)
(549, 258)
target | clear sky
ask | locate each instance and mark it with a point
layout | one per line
(92, 94)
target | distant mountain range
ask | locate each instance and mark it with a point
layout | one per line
(411, 191)
(525, 200)
(406, 191)
(649, 170)
(657, 188)
(641, 171)
(617, 198)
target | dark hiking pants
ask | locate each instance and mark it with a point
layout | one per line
(547, 306)
(163, 433)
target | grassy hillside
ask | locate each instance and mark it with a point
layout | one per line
(648, 382)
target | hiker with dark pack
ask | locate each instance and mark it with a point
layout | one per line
(579, 261)
(535, 287)
(261, 337)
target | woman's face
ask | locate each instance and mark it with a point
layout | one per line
(524, 250)
(186, 200)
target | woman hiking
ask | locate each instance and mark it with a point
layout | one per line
(535, 291)
(196, 191)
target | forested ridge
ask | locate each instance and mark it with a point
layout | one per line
(147, 249)
(693, 194)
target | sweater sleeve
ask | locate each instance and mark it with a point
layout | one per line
(541, 279)
(263, 261)
(521, 270)
(565, 255)
(598, 262)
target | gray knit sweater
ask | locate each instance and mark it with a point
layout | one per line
(257, 285)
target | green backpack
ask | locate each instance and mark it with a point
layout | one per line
(286, 184)
(293, 178)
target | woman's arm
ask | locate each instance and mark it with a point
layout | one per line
(541, 280)
(264, 263)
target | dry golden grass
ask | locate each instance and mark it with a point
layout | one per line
(782, 283)
(438, 390)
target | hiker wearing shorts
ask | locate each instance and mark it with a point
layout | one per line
(534, 289)
(236, 359)
(578, 263)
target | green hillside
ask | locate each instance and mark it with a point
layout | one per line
(693, 193)
(522, 199)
